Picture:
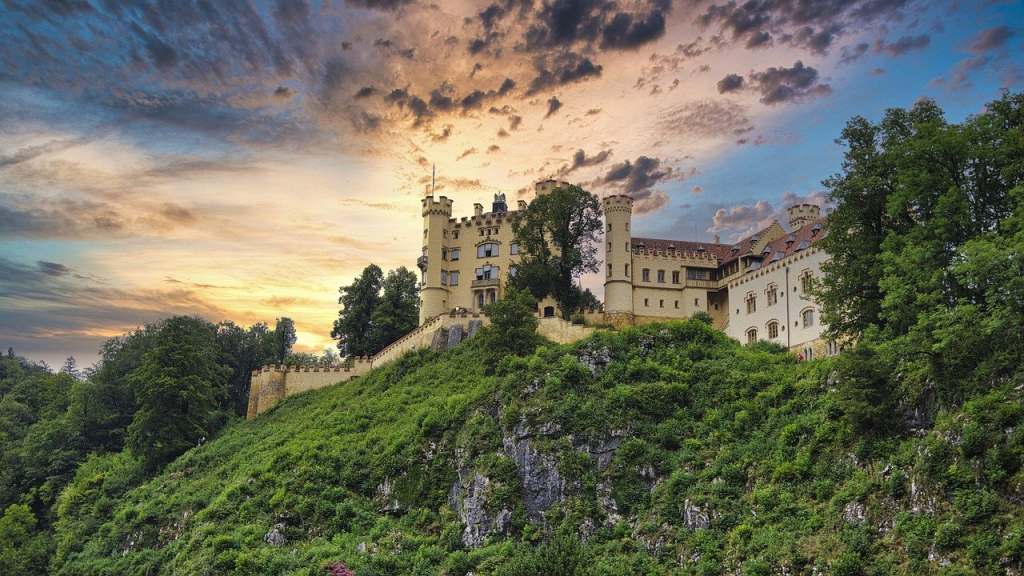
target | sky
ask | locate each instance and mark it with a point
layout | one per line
(241, 160)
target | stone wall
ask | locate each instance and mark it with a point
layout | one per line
(558, 330)
(271, 384)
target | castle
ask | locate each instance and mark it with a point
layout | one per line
(755, 289)
(758, 288)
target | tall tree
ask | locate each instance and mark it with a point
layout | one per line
(352, 328)
(178, 388)
(397, 312)
(284, 339)
(557, 236)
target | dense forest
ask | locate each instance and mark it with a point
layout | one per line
(662, 449)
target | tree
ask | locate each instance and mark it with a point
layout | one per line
(71, 368)
(178, 388)
(557, 235)
(352, 328)
(513, 328)
(284, 339)
(397, 312)
(23, 550)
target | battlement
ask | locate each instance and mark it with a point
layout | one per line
(801, 214)
(443, 205)
(617, 203)
(705, 257)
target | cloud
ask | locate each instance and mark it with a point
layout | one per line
(744, 219)
(561, 69)
(990, 39)
(706, 118)
(581, 160)
(467, 152)
(851, 54)
(731, 83)
(627, 31)
(779, 85)
(554, 105)
(638, 179)
(903, 45)
(52, 268)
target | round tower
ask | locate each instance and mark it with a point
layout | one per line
(618, 283)
(802, 214)
(433, 294)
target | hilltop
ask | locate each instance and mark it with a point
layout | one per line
(659, 449)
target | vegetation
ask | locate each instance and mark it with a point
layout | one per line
(376, 311)
(513, 328)
(155, 393)
(557, 237)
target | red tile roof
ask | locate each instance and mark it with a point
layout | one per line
(724, 252)
(797, 240)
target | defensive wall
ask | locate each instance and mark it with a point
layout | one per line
(271, 384)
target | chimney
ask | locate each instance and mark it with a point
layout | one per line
(478, 209)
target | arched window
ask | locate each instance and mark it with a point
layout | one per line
(772, 294)
(808, 317)
(487, 250)
(773, 329)
(751, 335)
(751, 303)
(806, 282)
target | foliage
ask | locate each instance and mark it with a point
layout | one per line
(370, 319)
(557, 235)
(513, 328)
(178, 389)
(745, 437)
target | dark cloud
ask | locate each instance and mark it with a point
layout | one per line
(365, 92)
(514, 121)
(31, 152)
(560, 69)
(731, 83)
(467, 152)
(52, 268)
(554, 105)
(379, 4)
(283, 92)
(990, 39)
(851, 54)
(628, 31)
(493, 148)
(593, 112)
(581, 160)
(902, 45)
(779, 85)
(812, 24)
(638, 179)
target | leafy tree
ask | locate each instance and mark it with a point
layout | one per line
(397, 311)
(23, 549)
(352, 328)
(557, 235)
(513, 328)
(71, 368)
(284, 339)
(178, 387)
(864, 391)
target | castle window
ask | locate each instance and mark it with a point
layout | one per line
(751, 335)
(487, 250)
(645, 274)
(675, 276)
(444, 253)
(773, 329)
(751, 303)
(696, 274)
(512, 269)
(454, 253)
(455, 234)
(677, 303)
(627, 270)
(480, 299)
(444, 277)
(661, 303)
(808, 317)
(806, 281)
(772, 294)
(609, 270)
(645, 302)
(513, 248)
(609, 246)
(696, 302)
(487, 272)
(661, 276)
(453, 278)
(609, 226)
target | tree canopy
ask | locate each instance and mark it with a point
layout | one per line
(557, 237)
(376, 310)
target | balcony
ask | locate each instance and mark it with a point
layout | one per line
(485, 282)
(421, 263)
(695, 283)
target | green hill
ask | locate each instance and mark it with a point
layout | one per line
(661, 449)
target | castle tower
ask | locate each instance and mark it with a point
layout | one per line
(433, 294)
(618, 283)
(545, 186)
(801, 214)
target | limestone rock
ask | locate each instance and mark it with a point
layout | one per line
(474, 327)
(440, 340)
(455, 335)
(854, 512)
(275, 537)
(468, 497)
(542, 485)
(695, 518)
(595, 358)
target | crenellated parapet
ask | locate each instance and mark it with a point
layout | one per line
(275, 382)
(440, 207)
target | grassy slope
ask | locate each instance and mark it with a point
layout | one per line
(744, 435)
